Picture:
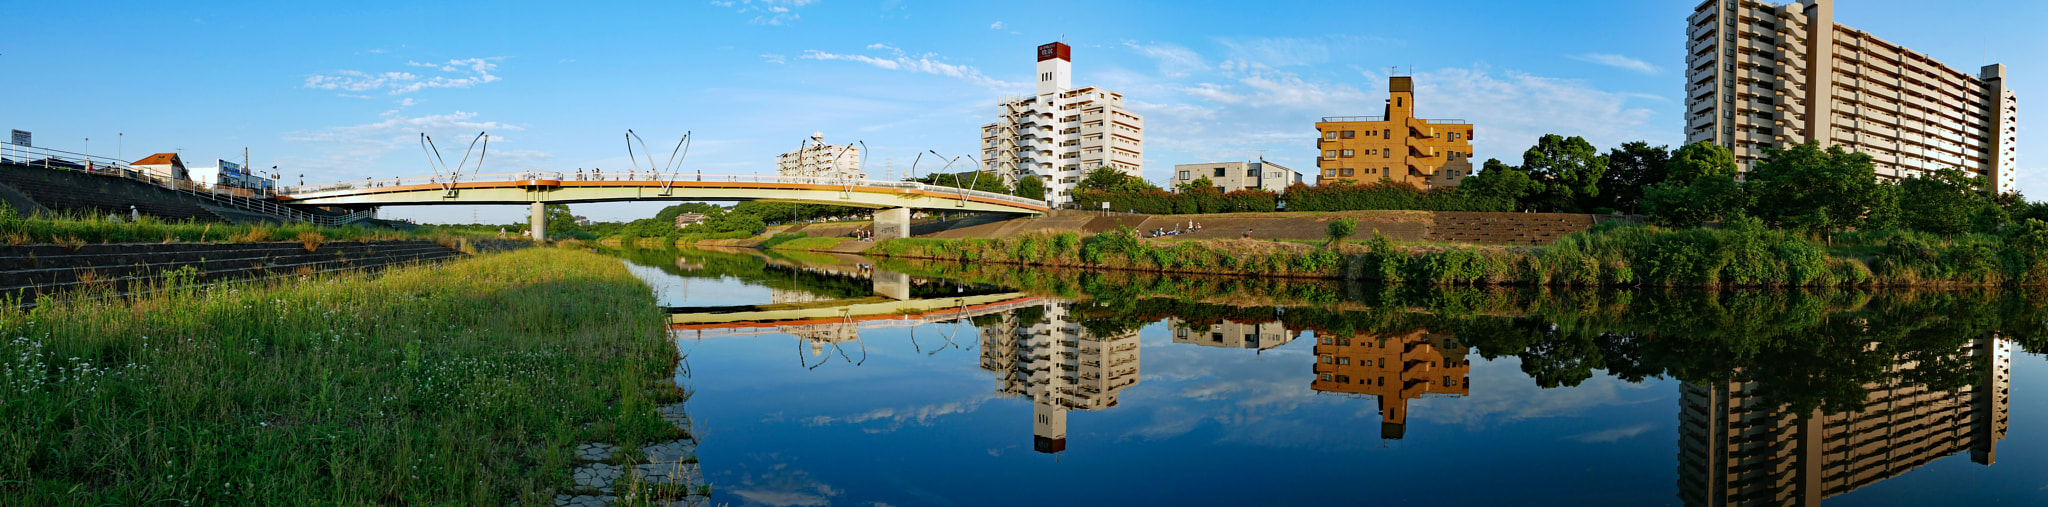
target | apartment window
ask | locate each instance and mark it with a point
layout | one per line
(1386, 134)
(1330, 135)
(1251, 173)
(1386, 154)
(1329, 173)
(1383, 363)
(1346, 154)
(1348, 134)
(1326, 340)
(1325, 377)
(1347, 172)
(1329, 153)
(1045, 76)
(1346, 361)
(1329, 360)
(1184, 175)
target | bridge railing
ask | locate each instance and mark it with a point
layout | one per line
(304, 191)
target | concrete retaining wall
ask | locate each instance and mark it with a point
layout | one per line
(1450, 227)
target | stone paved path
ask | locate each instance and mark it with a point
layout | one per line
(668, 463)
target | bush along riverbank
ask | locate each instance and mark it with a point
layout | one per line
(464, 383)
(1744, 254)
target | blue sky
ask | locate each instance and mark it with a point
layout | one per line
(341, 91)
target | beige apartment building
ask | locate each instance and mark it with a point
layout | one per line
(1733, 449)
(1763, 75)
(1061, 132)
(819, 160)
(1040, 354)
(1237, 335)
(1235, 176)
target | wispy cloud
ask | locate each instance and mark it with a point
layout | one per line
(1616, 61)
(767, 12)
(1612, 435)
(1174, 61)
(997, 26)
(467, 72)
(775, 59)
(928, 63)
(348, 150)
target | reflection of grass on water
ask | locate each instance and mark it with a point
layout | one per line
(462, 383)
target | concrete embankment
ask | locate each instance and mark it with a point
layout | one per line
(30, 270)
(1408, 226)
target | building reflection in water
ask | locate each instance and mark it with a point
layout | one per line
(1228, 334)
(1736, 450)
(1039, 353)
(1393, 368)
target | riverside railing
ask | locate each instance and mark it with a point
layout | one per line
(847, 184)
(64, 160)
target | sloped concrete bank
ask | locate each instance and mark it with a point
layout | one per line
(29, 271)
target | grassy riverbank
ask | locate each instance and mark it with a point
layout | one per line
(1743, 255)
(461, 383)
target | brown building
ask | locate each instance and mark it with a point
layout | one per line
(1395, 146)
(1735, 450)
(1394, 369)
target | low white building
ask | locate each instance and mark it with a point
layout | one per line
(819, 160)
(1234, 176)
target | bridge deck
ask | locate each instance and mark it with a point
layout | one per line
(533, 187)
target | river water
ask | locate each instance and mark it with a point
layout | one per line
(831, 380)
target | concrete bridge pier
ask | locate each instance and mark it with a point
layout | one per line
(892, 223)
(892, 285)
(539, 223)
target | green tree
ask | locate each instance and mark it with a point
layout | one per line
(1946, 201)
(1030, 187)
(1699, 187)
(1807, 189)
(1109, 179)
(1502, 183)
(1569, 169)
(1631, 169)
(985, 181)
(1199, 185)
(560, 220)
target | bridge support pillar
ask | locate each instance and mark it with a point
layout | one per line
(892, 285)
(539, 224)
(892, 223)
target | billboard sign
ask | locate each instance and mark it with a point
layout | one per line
(227, 167)
(21, 138)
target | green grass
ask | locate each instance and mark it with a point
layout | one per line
(807, 243)
(462, 383)
(81, 229)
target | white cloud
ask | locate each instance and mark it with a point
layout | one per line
(927, 63)
(767, 12)
(1616, 61)
(997, 26)
(894, 419)
(774, 59)
(469, 72)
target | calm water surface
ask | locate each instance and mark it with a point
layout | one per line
(830, 381)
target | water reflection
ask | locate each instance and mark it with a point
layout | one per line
(1780, 396)
(1737, 449)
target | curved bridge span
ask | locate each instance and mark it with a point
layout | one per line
(894, 198)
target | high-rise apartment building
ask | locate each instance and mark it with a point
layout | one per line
(1395, 146)
(1393, 369)
(1735, 449)
(1762, 75)
(1234, 176)
(1039, 353)
(819, 160)
(1062, 132)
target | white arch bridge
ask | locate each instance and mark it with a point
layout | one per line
(893, 199)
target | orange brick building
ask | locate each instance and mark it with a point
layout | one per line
(1394, 369)
(1396, 146)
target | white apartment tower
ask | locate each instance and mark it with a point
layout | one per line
(1062, 132)
(819, 160)
(1762, 75)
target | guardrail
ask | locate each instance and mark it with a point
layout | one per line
(849, 184)
(1336, 119)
